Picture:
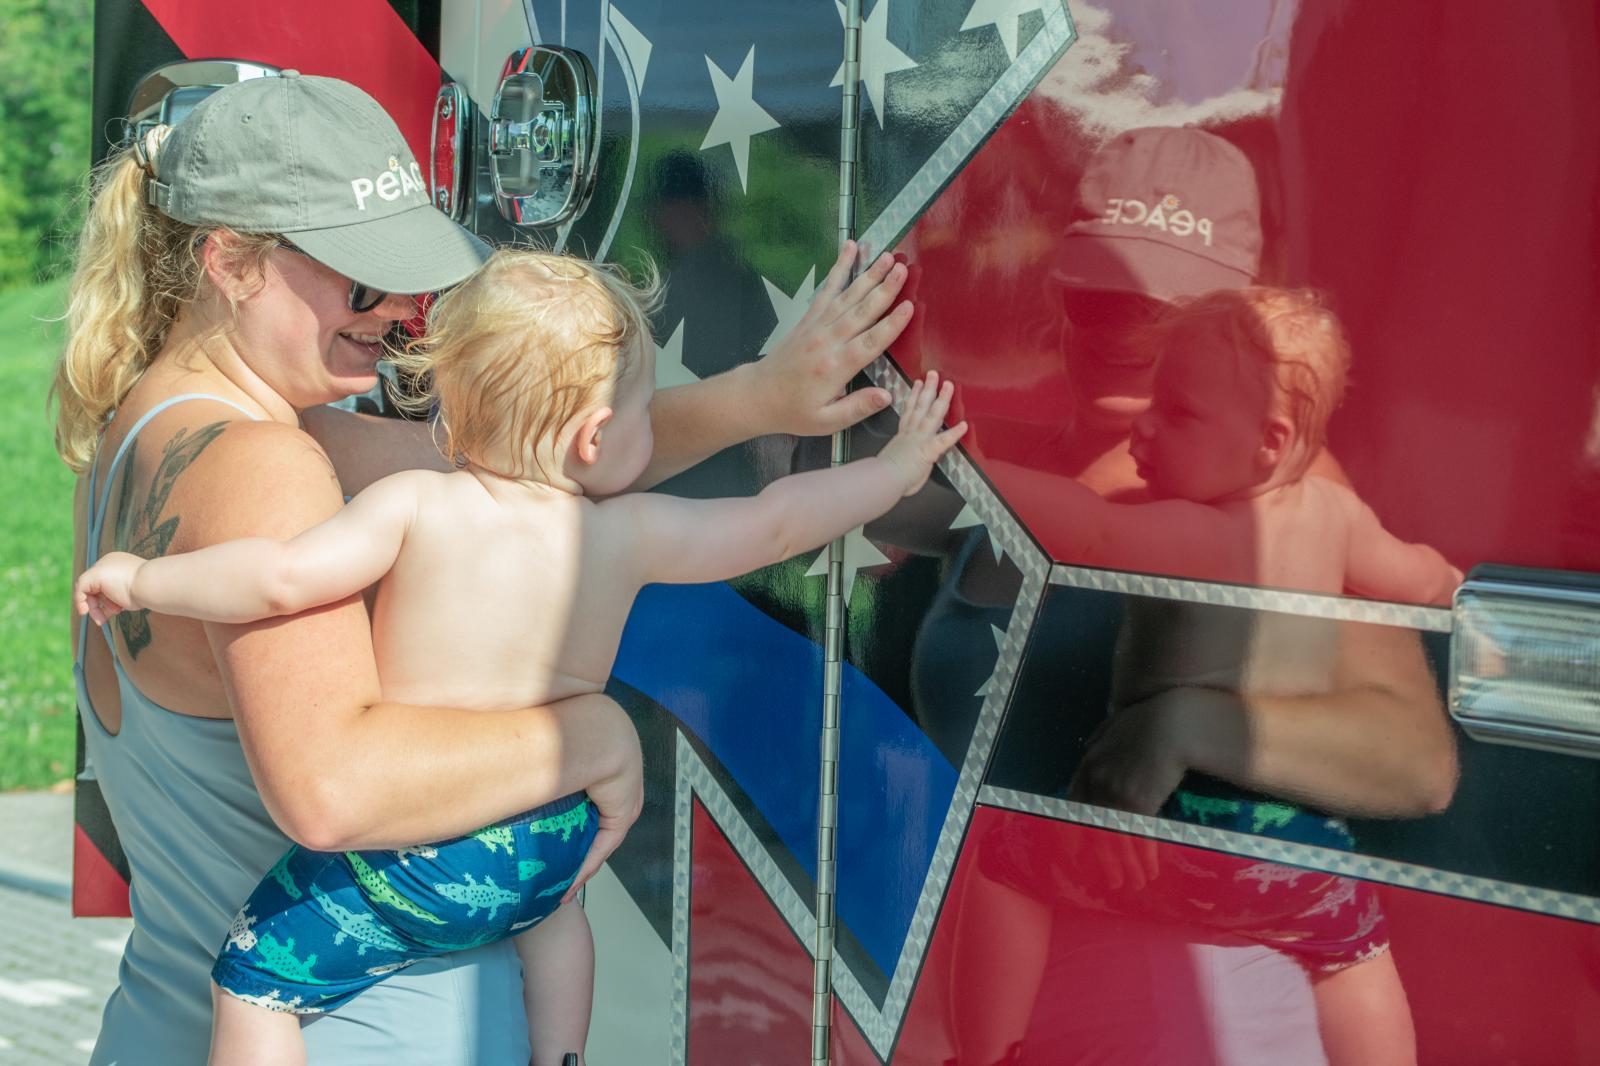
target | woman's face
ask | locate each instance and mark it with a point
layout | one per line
(297, 332)
(1111, 370)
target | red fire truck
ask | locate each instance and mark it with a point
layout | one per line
(1035, 770)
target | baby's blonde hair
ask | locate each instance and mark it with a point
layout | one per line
(531, 339)
(1287, 338)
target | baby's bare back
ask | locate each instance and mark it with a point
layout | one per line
(500, 599)
(1295, 537)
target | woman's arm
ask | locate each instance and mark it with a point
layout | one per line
(1378, 744)
(798, 388)
(336, 765)
(366, 448)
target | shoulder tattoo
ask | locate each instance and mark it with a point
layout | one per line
(141, 528)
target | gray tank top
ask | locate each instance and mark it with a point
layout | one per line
(197, 839)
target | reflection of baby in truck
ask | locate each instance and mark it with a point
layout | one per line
(1244, 386)
(1245, 382)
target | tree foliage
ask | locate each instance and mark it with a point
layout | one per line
(46, 54)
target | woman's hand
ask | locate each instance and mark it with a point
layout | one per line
(618, 801)
(1139, 754)
(799, 386)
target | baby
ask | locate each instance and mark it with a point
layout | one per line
(1245, 382)
(503, 584)
(1244, 385)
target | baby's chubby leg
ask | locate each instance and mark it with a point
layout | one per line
(1364, 1017)
(243, 1034)
(558, 984)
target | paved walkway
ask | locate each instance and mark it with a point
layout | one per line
(55, 971)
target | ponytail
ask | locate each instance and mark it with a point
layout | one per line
(135, 267)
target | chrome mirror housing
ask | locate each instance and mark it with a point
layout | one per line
(543, 147)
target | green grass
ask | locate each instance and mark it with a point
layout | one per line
(36, 700)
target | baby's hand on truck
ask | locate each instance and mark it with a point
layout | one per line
(921, 439)
(105, 590)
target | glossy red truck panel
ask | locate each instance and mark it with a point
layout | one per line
(1486, 984)
(1382, 152)
(1365, 137)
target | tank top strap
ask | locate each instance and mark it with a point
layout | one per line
(99, 496)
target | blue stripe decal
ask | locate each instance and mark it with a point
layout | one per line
(750, 689)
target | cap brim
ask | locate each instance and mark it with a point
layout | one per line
(1135, 264)
(416, 251)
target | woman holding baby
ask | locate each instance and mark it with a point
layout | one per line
(228, 286)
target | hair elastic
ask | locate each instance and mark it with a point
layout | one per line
(147, 148)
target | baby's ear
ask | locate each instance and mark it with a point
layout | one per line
(1276, 438)
(586, 441)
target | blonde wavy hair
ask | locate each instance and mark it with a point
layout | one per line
(1287, 338)
(135, 272)
(511, 354)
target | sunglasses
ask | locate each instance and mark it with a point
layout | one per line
(363, 298)
(1095, 309)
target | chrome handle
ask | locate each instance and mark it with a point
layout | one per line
(543, 147)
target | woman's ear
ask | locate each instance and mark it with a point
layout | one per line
(586, 441)
(232, 271)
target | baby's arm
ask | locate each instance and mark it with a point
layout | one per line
(685, 541)
(253, 578)
(1382, 566)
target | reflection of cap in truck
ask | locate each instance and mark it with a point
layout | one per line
(1167, 212)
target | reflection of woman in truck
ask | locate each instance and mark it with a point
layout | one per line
(542, 368)
(199, 347)
(1375, 742)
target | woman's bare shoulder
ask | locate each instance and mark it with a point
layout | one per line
(255, 479)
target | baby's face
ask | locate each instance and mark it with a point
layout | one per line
(1202, 437)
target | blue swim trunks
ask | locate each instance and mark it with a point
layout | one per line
(322, 927)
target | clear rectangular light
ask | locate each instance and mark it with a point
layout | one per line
(1525, 658)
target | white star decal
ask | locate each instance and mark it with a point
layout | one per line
(789, 308)
(969, 518)
(859, 554)
(989, 685)
(635, 44)
(670, 370)
(879, 58)
(739, 117)
(1003, 15)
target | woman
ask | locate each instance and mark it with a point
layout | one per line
(228, 280)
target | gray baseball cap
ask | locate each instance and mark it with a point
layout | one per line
(320, 162)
